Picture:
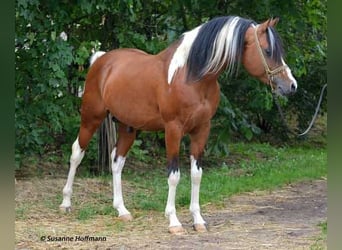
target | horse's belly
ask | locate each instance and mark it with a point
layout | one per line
(142, 118)
(134, 103)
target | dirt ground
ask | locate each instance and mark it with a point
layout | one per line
(286, 218)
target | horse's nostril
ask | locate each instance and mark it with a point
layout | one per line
(293, 87)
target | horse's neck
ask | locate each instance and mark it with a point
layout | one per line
(167, 53)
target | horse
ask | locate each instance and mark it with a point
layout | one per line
(175, 91)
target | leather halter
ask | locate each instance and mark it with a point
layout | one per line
(270, 73)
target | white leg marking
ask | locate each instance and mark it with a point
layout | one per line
(75, 160)
(117, 166)
(170, 209)
(196, 176)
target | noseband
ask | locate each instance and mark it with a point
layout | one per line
(270, 73)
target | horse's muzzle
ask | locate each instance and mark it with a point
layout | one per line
(283, 87)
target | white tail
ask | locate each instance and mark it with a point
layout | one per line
(95, 56)
(92, 59)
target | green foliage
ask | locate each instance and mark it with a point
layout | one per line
(51, 67)
(139, 153)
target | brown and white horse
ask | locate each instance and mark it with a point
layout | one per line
(175, 91)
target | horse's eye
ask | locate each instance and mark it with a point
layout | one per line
(268, 52)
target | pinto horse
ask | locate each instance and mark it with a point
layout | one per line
(175, 91)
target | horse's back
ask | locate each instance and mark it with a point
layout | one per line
(128, 82)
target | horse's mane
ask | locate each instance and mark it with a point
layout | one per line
(208, 47)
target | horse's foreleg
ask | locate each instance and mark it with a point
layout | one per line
(196, 176)
(198, 140)
(75, 160)
(170, 210)
(172, 141)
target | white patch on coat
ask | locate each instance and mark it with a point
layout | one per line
(182, 52)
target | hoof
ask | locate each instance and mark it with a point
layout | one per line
(65, 209)
(126, 217)
(201, 228)
(177, 230)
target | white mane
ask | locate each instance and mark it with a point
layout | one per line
(208, 47)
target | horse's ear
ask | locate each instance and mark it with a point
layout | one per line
(273, 21)
(268, 23)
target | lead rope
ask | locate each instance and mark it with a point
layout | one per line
(313, 117)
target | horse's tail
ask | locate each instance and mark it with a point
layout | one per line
(106, 143)
(92, 59)
(106, 133)
(95, 56)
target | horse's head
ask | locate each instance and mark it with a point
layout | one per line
(263, 58)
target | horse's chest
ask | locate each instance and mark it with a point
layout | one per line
(189, 105)
(198, 114)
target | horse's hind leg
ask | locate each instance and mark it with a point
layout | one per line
(75, 160)
(125, 141)
(89, 124)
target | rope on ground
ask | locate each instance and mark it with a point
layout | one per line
(312, 120)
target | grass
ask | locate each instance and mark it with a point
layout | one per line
(254, 167)
(249, 167)
(264, 168)
(321, 241)
(324, 227)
